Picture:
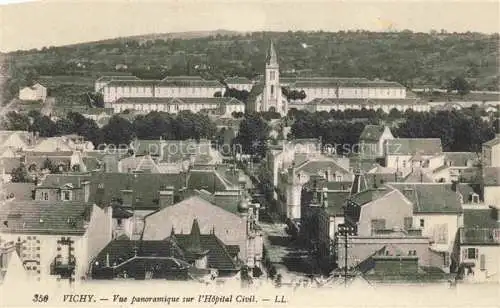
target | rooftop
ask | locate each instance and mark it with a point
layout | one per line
(44, 217)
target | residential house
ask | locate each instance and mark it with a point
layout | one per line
(384, 216)
(437, 213)
(36, 92)
(479, 244)
(55, 239)
(178, 257)
(63, 188)
(237, 229)
(291, 181)
(404, 154)
(463, 166)
(491, 172)
(372, 140)
(15, 141)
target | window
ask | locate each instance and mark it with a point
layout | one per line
(404, 163)
(66, 195)
(45, 196)
(272, 90)
(482, 262)
(377, 224)
(475, 198)
(119, 221)
(339, 178)
(472, 253)
(422, 223)
(408, 222)
(441, 234)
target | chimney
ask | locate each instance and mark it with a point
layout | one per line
(166, 197)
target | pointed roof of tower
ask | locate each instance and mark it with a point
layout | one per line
(359, 184)
(272, 58)
(194, 238)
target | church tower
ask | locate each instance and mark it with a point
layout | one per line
(272, 97)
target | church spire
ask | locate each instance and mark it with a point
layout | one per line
(195, 244)
(272, 57)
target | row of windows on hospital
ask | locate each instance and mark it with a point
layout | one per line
(356, 91)
(159, 90)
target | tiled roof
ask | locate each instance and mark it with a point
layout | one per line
(59, 180)
(369, 195)
(121, 250)
(462, 159)
(372, 133)
(229, 227)
(431, 198)
(491, 176)
(188, 81)
(364, 101)
(316, 166)
(20, 191)
(480, 218)
(238, 80)
(333, 80)
(205, 179)
(412, 146)
(44, 217)
(104, 187)
(344, 84)
(132, 83)
(119, 77)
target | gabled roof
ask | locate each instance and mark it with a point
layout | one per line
(430, 198)
(316, 165)
(229, 227)
(104, 187)
(412, 146)
(372, 133)
(45, 217)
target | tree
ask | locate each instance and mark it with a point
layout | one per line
(44, 126)
(20, 175)
(253, 134)
(118, 131)
(459, 84)
(16, 121)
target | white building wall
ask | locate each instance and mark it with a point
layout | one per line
(492, 196)
(439, 227)
(491, 255)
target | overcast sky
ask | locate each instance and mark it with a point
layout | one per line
(35, 24)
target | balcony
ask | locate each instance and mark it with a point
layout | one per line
(480, 236)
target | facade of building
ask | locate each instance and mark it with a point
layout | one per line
(222, 106)
(36, 92)
(55, 239)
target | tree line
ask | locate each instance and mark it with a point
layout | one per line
(463, 130)
(118, 131)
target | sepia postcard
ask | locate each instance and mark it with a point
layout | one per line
(253, 153)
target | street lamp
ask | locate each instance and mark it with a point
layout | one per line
(345, 230)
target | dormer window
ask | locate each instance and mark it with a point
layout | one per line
(66, 195)
(474, 198)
